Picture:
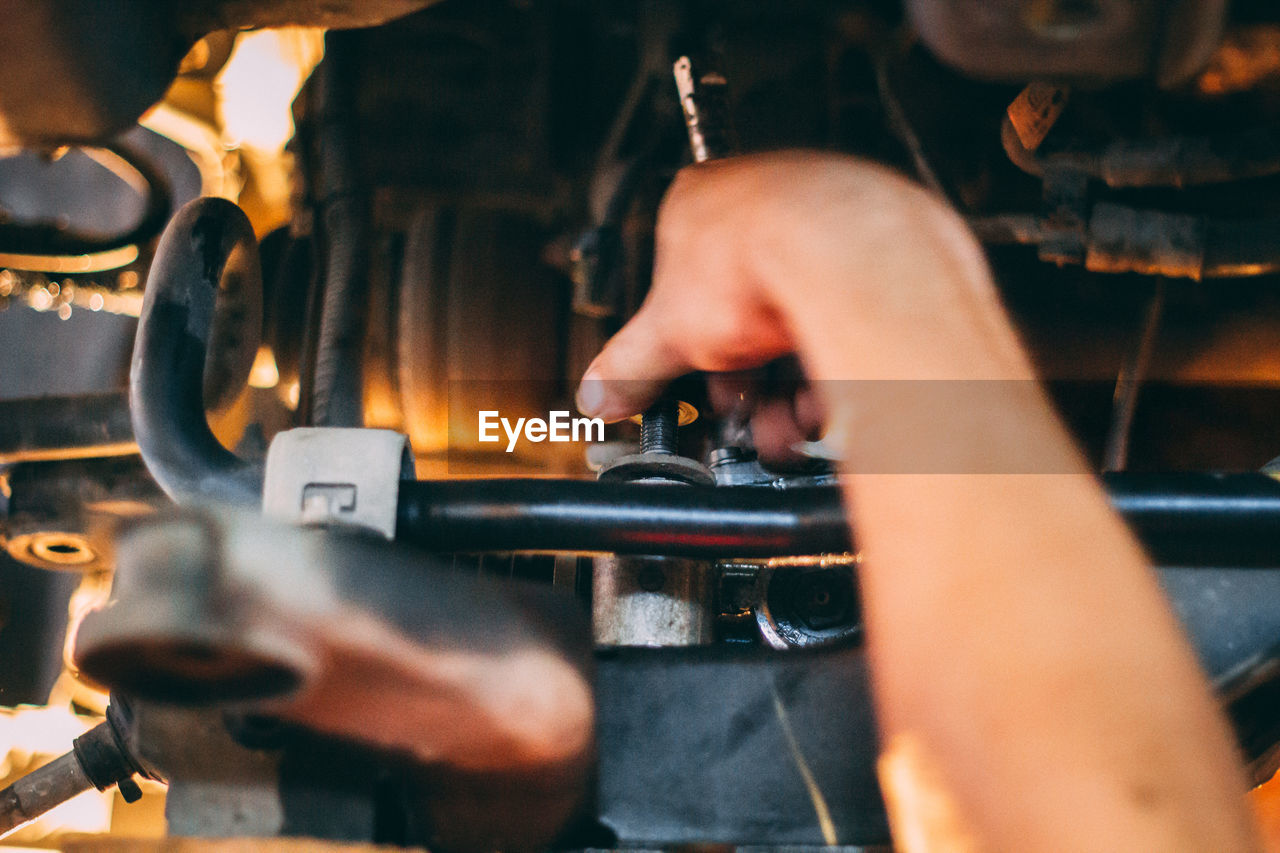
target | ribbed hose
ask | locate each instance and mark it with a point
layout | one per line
(338, 392)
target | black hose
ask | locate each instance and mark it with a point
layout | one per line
(1188, 519)
(50, 240)
(337, 398)
(207, 257)
(574, 515)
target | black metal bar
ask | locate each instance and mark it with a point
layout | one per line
(208, 246)
(635, 518)
(1184, 519)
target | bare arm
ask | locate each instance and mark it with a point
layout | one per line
(1029, 676)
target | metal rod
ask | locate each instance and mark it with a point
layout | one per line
(1187, 519)
(41, 790)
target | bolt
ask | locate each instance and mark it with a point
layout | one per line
(658, 427)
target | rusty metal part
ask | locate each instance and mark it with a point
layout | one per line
(652, 601)
(1116, 238)
(100, 758)
(41, 790)
(1164, 161)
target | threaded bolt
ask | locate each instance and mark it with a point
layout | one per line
(658, 427)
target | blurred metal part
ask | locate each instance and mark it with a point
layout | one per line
(80, 71)
(73, 427)
(738, 466)
(41, 790)
(1116, 238)
(197, 337)
(652, 601)
(1133, 372)
(343, 223)
(1162, 161)
(479, 326)
(218, 787)
(1092, 43)
(331, 475)
(67, 509)
(100, 758)
(346, 635)
(631, 518)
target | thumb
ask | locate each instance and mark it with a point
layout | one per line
(631, 372)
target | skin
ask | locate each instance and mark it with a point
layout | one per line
(1031, 684)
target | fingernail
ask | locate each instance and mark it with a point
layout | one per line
(590, 396)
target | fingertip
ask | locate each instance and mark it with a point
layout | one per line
(598, 397)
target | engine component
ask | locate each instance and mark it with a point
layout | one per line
(77, 71)
(808, 603)
(81, 426)
(651, 601)
(100, 758)
(1098, 41)
(204, 295)
(335, 475)
(361, 640)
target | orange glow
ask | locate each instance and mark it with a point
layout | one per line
(258, 84)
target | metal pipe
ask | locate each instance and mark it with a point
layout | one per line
(632, 518)
(208, 254)
(41, 790)
(1192, 519)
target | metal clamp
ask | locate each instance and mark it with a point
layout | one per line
(335, 475)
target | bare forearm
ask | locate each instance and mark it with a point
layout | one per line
(998, 581)
(1026, 667)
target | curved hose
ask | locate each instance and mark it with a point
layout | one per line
(48, 240)
(207, 259)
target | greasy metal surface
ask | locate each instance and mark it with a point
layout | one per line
(729, 746)
(651, 601)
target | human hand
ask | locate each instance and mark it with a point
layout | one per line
(861, 272)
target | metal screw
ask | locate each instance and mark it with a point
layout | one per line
(658, 427)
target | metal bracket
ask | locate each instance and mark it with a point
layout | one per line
(333, 475)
